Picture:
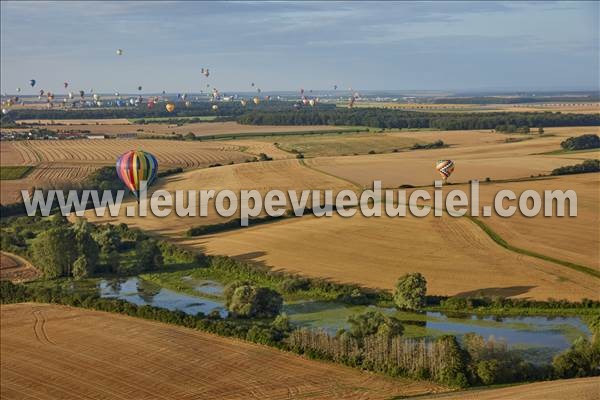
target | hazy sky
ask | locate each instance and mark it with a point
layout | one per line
(287, 45)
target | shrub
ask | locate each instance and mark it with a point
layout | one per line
(584, 167)
(374, 322)
(245, 300)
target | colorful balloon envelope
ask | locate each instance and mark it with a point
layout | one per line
(256, 100)
(135, 167)
(170, 107)
(32, 82)
(445, 168)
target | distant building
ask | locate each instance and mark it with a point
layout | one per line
(96, 136)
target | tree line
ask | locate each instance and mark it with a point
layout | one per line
(385, 118)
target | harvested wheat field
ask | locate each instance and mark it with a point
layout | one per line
(455, 256)
(261, 176)
(477, 154)
(54, 352)
(580, 389)
(573, 239)
(69, 122)
(16, 269)
(114, 127)
(105, 152)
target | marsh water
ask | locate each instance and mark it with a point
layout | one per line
(538, 337)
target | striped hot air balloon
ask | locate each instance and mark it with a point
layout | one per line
(445, 168)
(135, 167)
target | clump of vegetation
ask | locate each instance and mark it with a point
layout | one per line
(16, 172)
(410, 292)
(509, 128)
(433, 145)
(243, 299)
(583, 142)
(374, 323)
(584, 167)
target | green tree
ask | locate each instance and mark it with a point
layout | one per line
(410, 291)
(148, 255)
(245, 300)
(81, 268)
(86, 245)
(53, 251)
(374, 322)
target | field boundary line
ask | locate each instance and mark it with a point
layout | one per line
(356, 185)
(501, 242)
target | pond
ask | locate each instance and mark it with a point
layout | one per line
(538, 337)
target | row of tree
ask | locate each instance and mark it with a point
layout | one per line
(386, 118)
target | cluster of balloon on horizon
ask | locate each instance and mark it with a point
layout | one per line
(214, 96)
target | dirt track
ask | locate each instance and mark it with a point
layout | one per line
(55, 352)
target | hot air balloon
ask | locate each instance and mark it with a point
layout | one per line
(119, 52)
(311, 102)
(301, 91)
(258, 90)
(18, 90)
(170, 107)
(256, 100)
(117, 94)
(66, 84)
(188, 103)
(150, 104)
(96, 97)
(334, 87)
(135, 167)
(215, 107)
(206, 72)
(4, 111)
(445, 168)
(32, 82)
(41, 92)
(81, 94)
(139, 88)
(243, 102)
(252, 84)
(70, 95)
(304, 100)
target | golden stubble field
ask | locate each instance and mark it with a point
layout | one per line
(282, 175)
(67, 162)
(51, 351)
(477, 155)
(124, 126)
(455, 256)
(579, 388)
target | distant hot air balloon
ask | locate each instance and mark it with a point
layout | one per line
(170, 107)
(70, 95)
(215, 107)
(18, 90)
(258, 90)
(96, 97)
(252, 84)
(81, 94)
(334, 87)
(150, 104)
(445, 168)
(188, 103)
(4, 111)
(256, 100)
(243, 102)
(139, 88)
(32, 82)
(41, 92)
(119, 52)
(66, 84)
(311, 102)
(304, 100)
(135, 167)
(206, 72)
(301, 91)
(117, 94)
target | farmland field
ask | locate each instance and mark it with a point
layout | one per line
(564, 107)
(119, 126)
(15, 268)
(282, 175)
(477, 154)
(581, 389)
(51, 351)
(455, 256)
(9, 172)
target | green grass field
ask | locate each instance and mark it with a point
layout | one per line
(14, 172)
